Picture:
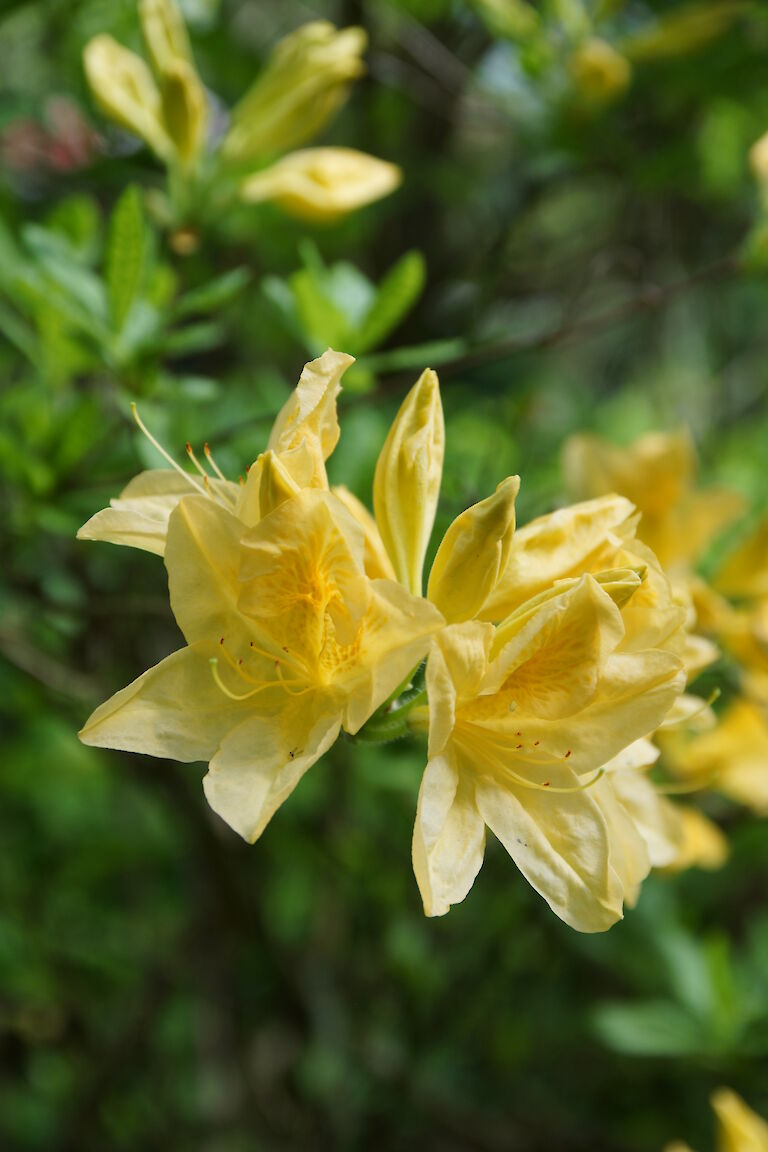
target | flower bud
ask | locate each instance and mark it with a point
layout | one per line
(473, 554)
(599, 72)
(323, 183)
(165, 34)
(124, 88)
(185, 109)
(305, 82)
(407, 480)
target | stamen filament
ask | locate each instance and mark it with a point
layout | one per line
(196, 462)
(212, 462)
(166, 456)
(214, 663)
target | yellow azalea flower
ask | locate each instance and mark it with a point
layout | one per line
(702, 844)
(657, 473)
(522, 719)
(287, 638)
(599, 71)
(322, 184)
(732, 758)
(305, 82)
(168, 110)
(304, 434)
(739, 1129)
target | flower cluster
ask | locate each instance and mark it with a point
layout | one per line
(305, 82)
(679, 522)
(537, 661)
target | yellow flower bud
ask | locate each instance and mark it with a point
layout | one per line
(407, 480)
(599, 72)
(185, 108)
(473, 554)
(758, 159)
(305, 82)
(124, 88)
(165, 34)
(323, 183)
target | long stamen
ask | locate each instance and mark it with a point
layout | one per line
(166, 456)
(214, 663)
(212, 462)
(503, 751)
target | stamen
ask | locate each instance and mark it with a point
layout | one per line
(196, 463)
(166, 456)
(686, 789)
(212, 462)
(547, 787)
(214, 663)
(285, 683)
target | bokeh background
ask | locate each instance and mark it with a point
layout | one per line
(575, 246)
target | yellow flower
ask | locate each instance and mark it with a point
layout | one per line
(522, 721)
(702, 844)
(168, 110)
(657, 473)
(322, 184)
(288, 639)
(731, 758)
(306, 81)
(739, 1129)
(599, 72)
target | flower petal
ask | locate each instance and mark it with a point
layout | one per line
(473, 554)
(377, 564)
(560, 842)
(202, 555)
(448, 836)
(174, 710)
(310, 411)
(260, 763)
(139, 517)
(568, 542)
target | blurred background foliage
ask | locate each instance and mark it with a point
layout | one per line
(578, 244)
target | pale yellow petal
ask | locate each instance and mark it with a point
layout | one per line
(260, 763)
(473, 554)
(739, 1128)
(655, 817)
(301, 571)
(566, 543)
(323, 184)
(561, 844)
(139, 517)
(286, 472)
(703, 845)
(653, 472)
(202, 555)
(551, 661)
(407, 480)
(745, 572)
(448, 836)
(377, 564)
(394, 638)
(174, 710)
(309, 414)
(457, 664)
(628, 853)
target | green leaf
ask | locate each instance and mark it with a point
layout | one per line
(650, 1028)
(396, 296)
(417, 356)
(125, 258)
(213, 295)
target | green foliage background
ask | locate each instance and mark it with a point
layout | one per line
(566, 265)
